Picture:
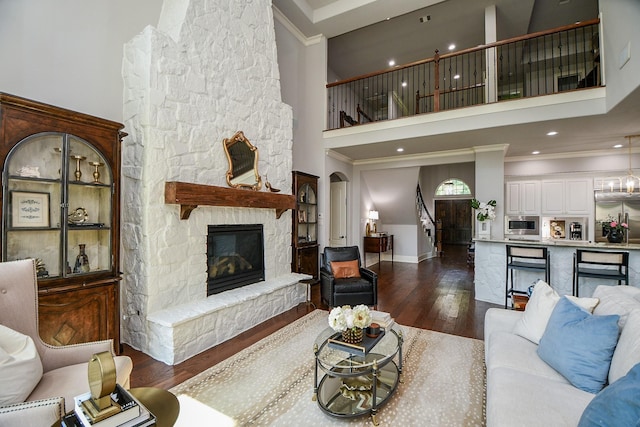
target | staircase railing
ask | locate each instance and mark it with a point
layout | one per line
(423, 212)
(542, 63)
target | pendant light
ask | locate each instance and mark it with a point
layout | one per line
(631, 181)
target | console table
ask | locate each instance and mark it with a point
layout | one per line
(378, 244)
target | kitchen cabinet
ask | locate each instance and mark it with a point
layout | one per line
(522, 198)
(305, 225)
(573, 196)
(60, 198)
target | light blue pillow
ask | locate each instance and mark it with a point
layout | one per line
(579, 345)
(617, 404)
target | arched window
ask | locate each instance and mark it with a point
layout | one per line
(453, 187)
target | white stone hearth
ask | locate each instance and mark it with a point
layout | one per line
(188, 329)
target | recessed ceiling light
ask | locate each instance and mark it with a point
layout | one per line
(452, 46)
(392, 63)
(457, 76)
(617, 146)
(552, 133)
(400, 149)
(535, 152)
(404, 84)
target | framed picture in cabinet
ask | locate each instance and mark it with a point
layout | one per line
(29, 209)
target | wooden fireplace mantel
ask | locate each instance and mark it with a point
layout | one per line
(189, 196)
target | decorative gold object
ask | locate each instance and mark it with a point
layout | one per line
(78, 172)
(102, 382)
(352, 335)
(78, 216)
(96, 172)
(243, 163)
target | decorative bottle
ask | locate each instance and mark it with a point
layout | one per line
(82, 261)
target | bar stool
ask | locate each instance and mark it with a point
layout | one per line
(528, 258)
(600, 265)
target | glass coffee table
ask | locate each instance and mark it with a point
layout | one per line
(349, 382)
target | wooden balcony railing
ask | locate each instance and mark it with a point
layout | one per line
(543, 63)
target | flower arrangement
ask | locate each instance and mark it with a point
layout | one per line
(486, 211)
(612, 224)
(345, 317)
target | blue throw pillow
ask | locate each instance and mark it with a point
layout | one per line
(617, 405)
(579, 345)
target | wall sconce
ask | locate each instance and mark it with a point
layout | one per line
(371, 225)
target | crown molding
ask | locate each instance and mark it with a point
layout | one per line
(306, 41)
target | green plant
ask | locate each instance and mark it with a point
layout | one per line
(486, 211)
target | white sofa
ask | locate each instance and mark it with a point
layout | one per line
(523, 390)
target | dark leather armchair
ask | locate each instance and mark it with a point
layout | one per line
(347, 291)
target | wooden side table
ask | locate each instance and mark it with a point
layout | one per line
(378, 244)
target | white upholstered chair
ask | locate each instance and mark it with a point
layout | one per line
(64, 367)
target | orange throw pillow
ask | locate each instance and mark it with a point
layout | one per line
(345, 269)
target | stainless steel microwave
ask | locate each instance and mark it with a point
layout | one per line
(522, 225)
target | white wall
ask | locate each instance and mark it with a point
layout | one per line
(69, 52)
(620, 27)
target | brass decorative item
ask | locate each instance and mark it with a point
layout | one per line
(243, 163)
(96, 172)
(102, 382)
(269, 187)
(78, 216)
(352, 335)
(78, 172)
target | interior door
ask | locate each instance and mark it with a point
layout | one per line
(338, 218)
(456, 220)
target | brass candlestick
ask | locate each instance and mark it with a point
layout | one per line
(78, 172)
(96, 172)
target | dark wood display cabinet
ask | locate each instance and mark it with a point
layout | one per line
(60, 204)
(305, 225)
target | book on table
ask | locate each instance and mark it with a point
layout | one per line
(382, 318)
(133, 413)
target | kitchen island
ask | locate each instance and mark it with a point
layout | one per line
(490, 264)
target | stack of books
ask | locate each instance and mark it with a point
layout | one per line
(131, 413)
(383, 319)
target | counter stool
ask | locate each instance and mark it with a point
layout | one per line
(607, 265)
(529, 258)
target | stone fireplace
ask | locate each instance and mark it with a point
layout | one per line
(209, 70)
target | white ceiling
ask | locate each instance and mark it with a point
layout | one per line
(362, 40)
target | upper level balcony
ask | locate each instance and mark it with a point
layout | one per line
(544, 63)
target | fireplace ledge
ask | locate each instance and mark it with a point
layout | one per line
(174, 316)
(189, 196)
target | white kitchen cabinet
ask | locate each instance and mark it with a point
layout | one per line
(573, 196)
(522, 198)
(553, 195)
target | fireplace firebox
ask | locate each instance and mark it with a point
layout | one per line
(235, 256)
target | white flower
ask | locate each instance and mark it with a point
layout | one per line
(345, 317)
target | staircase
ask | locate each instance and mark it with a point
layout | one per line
(431, 228)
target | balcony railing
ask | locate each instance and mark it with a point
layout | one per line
(542, 63)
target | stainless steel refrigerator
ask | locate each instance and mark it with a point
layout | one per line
(622, 207)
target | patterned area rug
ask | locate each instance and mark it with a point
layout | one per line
(271, 383)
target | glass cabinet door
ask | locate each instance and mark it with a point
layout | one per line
(58, 196)
(307, 214)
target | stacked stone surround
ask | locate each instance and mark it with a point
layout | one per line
(211, 72)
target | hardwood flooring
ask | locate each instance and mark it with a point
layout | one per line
(437, 294)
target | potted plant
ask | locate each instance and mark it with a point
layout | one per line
(615, 230)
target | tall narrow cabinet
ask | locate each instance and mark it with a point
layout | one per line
(305, 225)
(60, 204)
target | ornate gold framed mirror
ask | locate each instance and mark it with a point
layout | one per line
(243, 162)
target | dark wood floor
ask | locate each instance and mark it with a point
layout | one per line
(436, 294)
